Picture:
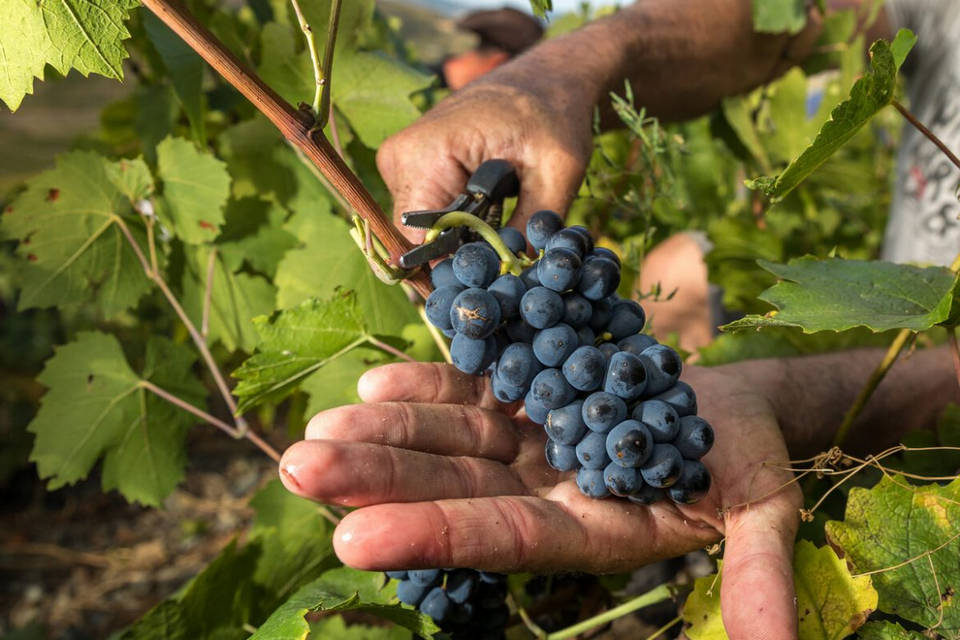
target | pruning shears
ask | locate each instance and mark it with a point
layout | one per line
(490, 184)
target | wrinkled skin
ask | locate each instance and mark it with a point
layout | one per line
(447, 477)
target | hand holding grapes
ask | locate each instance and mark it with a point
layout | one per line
(447, 476)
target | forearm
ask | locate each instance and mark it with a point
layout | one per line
(681, 57)
(811, 394)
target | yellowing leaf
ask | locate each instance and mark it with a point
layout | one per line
(830, 603)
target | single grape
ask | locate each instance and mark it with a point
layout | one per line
(425, 577)
(660, 418)
(560, 456)
(438, 306)
(514, 240)
(551, 389)
(592, 451)
(472, 356)
(576, 310)
(586, 336)
(565, 425)
(475, 313)
(663, 366)
(590, 482)
(599, 277)
(629, 444)
(530, 278)
(602, 312)
(409, 592)
(626, 377)
(461, 585)
(517, 365)
(647, 495)
(541, 307)
(437, 605)
(621, 481)
(626, 319)
(695, 438)
(584, 368)
(608, 349)
(603, 411)
(559, 269)
(585, 234)
(450, 333)
(520, 331)
(504, 391)
(535, 409)
(508, 289)
(603, 252)
(636, 343)
(442, 275)
(475, 264)
(554, 345)
(568, 239)
(694, 483)
(396, 575)
(681, 397)
(662, 468)
(541, 226)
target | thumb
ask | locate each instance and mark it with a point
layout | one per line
(757, 594)
(547, 182)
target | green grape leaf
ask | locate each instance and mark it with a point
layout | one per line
(738, 111)
(933, 463)
(97, 407)
(297, 342)
(908, 535)
(779, 16)
(235, 299)
(86, 35)
(326, 248)
(372, 90)
(254, 233)
(195, 190)
(335, 384)
(67, 224)
(185, 70)
(784, 342)
(887, 630)
(836, 295)
(336, 627)
(540, 7)
(871, 93)
(340, 590)
(831, 604)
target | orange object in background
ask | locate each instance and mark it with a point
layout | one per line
(504, 33)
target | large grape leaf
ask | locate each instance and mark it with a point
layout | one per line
(235, 299)
(372, 90)
(297, 342)
(336, 627)
(86, 35)
(886, 630)
(836, 295)
(67, 225)
(779, 16)
(97, 407)
(336, 383)
(831, 604)
(872, 92)
(195, 189)
(328, 259)
(253, 233)
(341, 590)
(184, 68)
(912, 528)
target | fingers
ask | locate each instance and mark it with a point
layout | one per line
(443, 429)
(758, 569)
(549, 182)
(359, 473)
(428, 382)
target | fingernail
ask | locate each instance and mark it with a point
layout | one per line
(287, 474)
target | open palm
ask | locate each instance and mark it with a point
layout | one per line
(448, 477)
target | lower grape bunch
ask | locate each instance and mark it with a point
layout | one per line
(559, 337)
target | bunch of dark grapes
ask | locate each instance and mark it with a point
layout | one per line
(468, 604)
(560, 338)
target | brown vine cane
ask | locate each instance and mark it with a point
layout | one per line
(296, 126)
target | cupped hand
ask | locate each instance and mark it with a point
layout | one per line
(548, 142)
(447, 477)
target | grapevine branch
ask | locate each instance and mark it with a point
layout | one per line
(926, 132)
(296, 126)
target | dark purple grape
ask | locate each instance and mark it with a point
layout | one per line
(475, 313)
(695, 437)
(629, 444)
(541, 226)
(694, 483)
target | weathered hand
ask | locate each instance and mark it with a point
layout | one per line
(447, 477)
(428, 164)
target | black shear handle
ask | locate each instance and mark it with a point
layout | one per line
(495, 179)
